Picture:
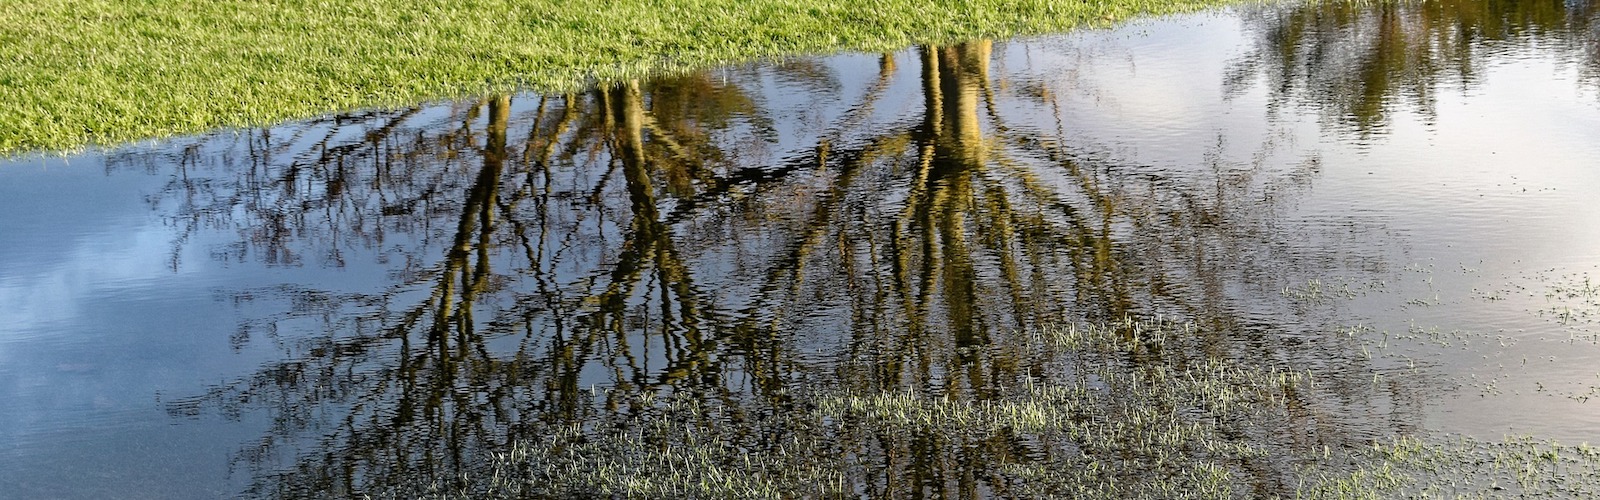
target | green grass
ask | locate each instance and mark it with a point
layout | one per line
(81, 72)
(1103, 428)
(1110, 419)
(1444, 466)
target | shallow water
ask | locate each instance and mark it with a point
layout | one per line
(1398, 199)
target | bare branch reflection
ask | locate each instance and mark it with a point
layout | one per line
(569, 265)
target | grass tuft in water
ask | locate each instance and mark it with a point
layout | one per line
(1113, 419)
(1462, 467)
(1099, 424)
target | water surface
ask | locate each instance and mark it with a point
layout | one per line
(1395, 198)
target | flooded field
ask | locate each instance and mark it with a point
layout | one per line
(1246, 253)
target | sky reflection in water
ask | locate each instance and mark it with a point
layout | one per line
(209, 314)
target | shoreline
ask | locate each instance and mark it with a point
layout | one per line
(125, 73)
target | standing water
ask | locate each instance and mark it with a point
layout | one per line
(1230, 253)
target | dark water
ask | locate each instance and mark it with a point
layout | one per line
(1399, 199)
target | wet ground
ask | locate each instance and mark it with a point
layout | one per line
(1398, 201)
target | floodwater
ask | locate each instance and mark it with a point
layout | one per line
(1400, 200)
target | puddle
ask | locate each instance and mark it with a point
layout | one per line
(1375, 222)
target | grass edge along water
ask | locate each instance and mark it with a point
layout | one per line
(103, 72)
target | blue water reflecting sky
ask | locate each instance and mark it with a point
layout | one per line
(1456, 210)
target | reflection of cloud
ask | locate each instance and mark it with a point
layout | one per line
(55, 328)
(1492, 156)
(39, 301)
(1163, 93)
(1486, 185)
(1152, 91)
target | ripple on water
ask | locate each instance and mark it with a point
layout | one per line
(1395, 198)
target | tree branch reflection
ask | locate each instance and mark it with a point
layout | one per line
(561, 264)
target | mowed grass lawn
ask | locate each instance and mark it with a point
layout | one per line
(80, 72)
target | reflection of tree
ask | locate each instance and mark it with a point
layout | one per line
(642, 238)
(1360, 63)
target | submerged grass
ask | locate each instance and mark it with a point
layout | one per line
(1462, 467)
(1095, 426)
(78, 72)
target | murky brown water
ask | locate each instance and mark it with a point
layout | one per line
(1398, 199)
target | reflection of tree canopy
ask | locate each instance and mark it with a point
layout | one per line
(654, 239)
(1362, 62)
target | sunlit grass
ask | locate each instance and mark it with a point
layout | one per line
(1103, 428)
(77, 72)
(1462, 467)
(667, 454)
(1188, 426)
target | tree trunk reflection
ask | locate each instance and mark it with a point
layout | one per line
(567, 264)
